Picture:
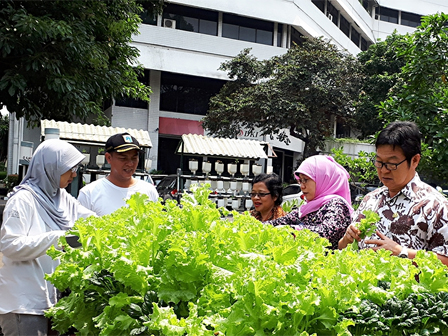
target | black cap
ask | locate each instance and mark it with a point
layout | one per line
(121, 142)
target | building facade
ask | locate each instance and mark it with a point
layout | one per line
(182, 49)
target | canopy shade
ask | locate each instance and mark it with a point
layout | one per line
(194, 144)
(92, 134)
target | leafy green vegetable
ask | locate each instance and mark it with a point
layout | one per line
(290, 205)
(153, 269)
(366, 225)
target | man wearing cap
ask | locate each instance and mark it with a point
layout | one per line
(106, 195)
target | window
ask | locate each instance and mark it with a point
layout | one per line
(133, 102)
(344, 26)
(148, 18)
(388, 15)
(187, 94)
(296, 37)
(332, 13)
(319, 4)
(411, 20)
(355, 36)
(246, 29)
(192, 19)
(364, 45)
(279, 35)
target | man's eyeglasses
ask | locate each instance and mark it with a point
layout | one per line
(389, 166)
(74, 169)
(260, 195)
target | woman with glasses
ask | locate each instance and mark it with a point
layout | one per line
(38, 212)
(266, 197)
(328, 209)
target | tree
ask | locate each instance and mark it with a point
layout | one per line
(421, 93)
(297, 93)
(381, 66)
(61, 59)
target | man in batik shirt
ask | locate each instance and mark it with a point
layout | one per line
(414, 216)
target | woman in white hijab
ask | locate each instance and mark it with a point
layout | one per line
(38, 212)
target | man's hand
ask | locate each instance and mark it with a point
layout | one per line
(384, 243)
(350, 236)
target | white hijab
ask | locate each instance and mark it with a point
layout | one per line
(50, 160)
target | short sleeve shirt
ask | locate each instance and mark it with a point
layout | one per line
(417, 217)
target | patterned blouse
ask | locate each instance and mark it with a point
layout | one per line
(417, 217)
(276, 212)
(330, 221)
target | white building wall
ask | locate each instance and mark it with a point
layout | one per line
(182, 52)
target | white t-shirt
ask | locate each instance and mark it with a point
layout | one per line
(24, 241)
(103, 197)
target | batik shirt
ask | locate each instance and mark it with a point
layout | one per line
(417, 217)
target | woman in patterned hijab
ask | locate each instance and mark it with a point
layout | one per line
(328, 209)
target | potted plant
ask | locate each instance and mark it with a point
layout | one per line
(232, 168)
(219, 167)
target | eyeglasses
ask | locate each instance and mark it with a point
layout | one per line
(302, 181)
(389, 166)
(260, 195)
(74, 169)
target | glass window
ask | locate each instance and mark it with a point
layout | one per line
(332, 13)
(388, 15)
(187, 94)
(410, 19)
(364, 45)
(192, 19)
(208, 27)
(188, 23)
(296, 37)
(355, 36)
(230, 31)
(264, 37)
(345, 26)
(148, 18)
(279, 35)
(247, 34)
(246, 29)
(319, 4)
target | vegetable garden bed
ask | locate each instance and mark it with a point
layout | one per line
(164, 270)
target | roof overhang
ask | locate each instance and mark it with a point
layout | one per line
(194, 144)
(92, 135)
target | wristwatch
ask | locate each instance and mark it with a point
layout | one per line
(403, 253)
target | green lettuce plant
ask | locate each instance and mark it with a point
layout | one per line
(153, 269)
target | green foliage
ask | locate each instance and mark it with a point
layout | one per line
(293, 204)
(366, 225)
(418, 314)
(421, 92)
(61, 59)
(11, 181)
(360, 168)
(151, 269)
(296, 93)
(381, 66)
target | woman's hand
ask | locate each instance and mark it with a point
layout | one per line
(349, 237)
